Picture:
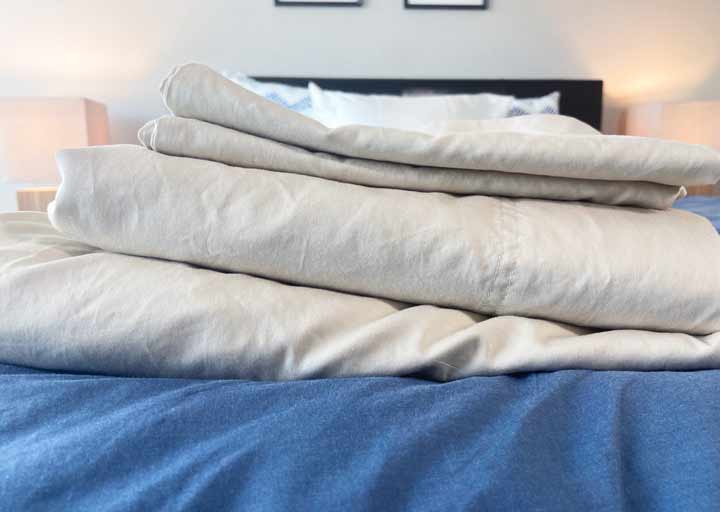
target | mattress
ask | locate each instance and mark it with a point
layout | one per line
(570, 440)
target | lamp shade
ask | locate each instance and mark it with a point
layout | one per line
(32, 130)
(695, 122)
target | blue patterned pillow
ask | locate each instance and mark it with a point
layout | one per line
(289, 96)
(549, 104)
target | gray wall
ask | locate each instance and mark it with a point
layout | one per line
(117, 51)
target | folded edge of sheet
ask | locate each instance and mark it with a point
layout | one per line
(178, 136)
(70, 307)
(548, 259)
(196, 91)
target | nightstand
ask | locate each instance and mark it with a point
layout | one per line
(35, 199)
(32, 130)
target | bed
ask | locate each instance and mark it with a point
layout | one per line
(582, 99)
(557, 441)
(101, 428)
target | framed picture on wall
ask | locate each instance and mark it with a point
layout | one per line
(334, 3)
(446, 4)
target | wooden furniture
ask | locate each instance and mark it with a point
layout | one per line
(35, 199)
(32, 130)
(705, 190)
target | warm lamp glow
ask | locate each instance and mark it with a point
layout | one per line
(32, 130)
(696, 122)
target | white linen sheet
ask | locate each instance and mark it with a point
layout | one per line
(197, 92)
(161, 265)
(590, 265)
(68, 306)
(179, 136)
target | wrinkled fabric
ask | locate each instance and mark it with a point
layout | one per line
(547, 146)
(590, 265)
(557, 441)
(161, 265)
(68, 306)
(178, 136)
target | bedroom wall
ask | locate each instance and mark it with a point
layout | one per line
(117, 51)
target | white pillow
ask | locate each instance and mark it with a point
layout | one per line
(548, 104)
(289, 96)
(335, 108)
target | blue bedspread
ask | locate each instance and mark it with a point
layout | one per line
(702, 205)
(572, 440)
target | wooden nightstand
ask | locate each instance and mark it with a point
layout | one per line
(35, 199)
(704, 190)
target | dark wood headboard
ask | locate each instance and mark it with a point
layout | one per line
(582, 99)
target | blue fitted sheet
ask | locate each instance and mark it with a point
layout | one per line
(572, 440)
(702, 205)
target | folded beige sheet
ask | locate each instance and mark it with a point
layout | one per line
(545, 146)
(342, 255)
(68, 306)
(197, 139)
(590, 265)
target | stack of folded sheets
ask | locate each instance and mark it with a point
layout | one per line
(246, 240)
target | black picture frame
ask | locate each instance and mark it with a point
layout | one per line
(323, 3)
(449, 5)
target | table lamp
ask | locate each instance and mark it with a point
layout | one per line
(694, 122)
(32, 130)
